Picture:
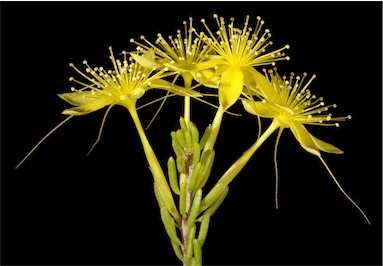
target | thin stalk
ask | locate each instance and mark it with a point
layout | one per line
(188, 78)
(155, 167)
(214, 129)
(236, 168)
(187, 108)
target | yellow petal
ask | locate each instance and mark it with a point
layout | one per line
(77, 98)
(137, 93)
(304, 138)
(168, 86)
(230, 87)
(88, 108)
(326, 147)
(265, 87)
(145, 61)
(259, 108)
(206, 77)
(193, 67)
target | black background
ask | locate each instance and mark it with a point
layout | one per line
(62, 207)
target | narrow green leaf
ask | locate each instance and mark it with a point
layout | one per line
(204, 227)
(180, 165)
(177, 251)
(205, 137)
(172, 173)
(189, 247)
(188, 138)
(177, 149)
(205, 155)
(183, 124)
(182, 203)
(194, 132)
(206, 170)
(197, 252)
(194, 211)
(194, 177)
(196, 153)
(170, 226)
(173, 135)
(181, 138)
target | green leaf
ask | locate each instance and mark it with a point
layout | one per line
(172, 172)
(177, 149)
(205, 137)
(182, 203)
(189, 248)
(181, 137)
(194, 177)
(204, 227)
(188, 138)
(183, 123)
(196, 153)
(177, 251)
(194, 132)
(206, 169)
(194, 211)
(197, 252)
(180, 165)
(170, 226)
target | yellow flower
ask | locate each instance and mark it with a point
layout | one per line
(290, 104)
(123, 85)
(184, 53)
(239, 51)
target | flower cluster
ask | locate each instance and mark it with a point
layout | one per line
(222, 62)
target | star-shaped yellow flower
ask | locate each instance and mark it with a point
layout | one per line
(123, 85)
(184, 55)
(290, 104)
(239, 51)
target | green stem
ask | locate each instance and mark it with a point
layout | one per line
(155, 167)
(236, 168)
(214, 129)
(187, 109)
(188, 78)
